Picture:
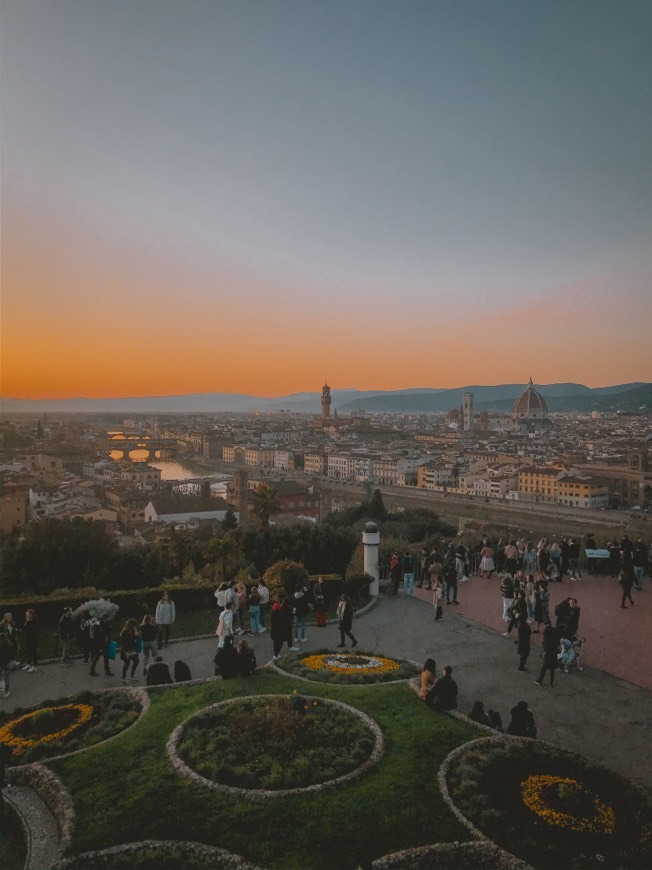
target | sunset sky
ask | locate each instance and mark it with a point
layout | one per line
(260, 195)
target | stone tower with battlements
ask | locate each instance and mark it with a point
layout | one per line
(326, 402)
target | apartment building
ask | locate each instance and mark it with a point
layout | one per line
(582, 492)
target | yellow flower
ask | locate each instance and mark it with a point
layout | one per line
(532, 793)
(20, 744)
(345, 663)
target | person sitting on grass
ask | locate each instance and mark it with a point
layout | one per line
(181, 672)
(428, 677)
(158, 673)
(246, 659)
(443, 695)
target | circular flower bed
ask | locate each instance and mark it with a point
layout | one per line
(59, 727)
(44, 725)
(275, 744)
(552, 808)
(566, 803)
(357, 668)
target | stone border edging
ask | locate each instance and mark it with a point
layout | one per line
(271, 664)
(265, 794)
(215, 857)
(475, 853)
(140, 693)
(52, 792)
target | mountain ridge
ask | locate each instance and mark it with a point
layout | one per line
(565, 396)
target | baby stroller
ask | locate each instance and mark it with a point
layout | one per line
(570, 657)
(578, 644)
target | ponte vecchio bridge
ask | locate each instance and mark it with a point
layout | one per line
(127, 442)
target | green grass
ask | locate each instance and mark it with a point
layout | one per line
(129, 791)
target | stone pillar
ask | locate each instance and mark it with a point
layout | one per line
(371, 544)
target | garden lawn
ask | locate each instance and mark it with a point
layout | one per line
(127, 790)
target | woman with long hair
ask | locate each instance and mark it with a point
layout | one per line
(428, 677)
(128, 650)
(345, 620)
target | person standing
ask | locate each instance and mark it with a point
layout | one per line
(486, 561)
(639, 560)
(395, 571)
(461, 561)
(550, 645)
(450, 579)
(31, 630)
(407, 566)
(225, 625)
(437, 597)
(300, 614)
(253, 605)
(574, 559)
(511, 557)
(507, 593)
(6, 656)
(148, 635)
(66, 634)
(166, 613)
(345, 617)
(263, 591)
(321, 603)
(281, 620)
(523, 648)
(8, 627)
(529, 596)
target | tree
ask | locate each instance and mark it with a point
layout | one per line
(284, 576)
(230, 521)
(264, 504)
(376, 508)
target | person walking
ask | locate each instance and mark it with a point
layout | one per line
(166, 613)
(523, 647)
(550, 645)
(31, 631)
(128, 650)
(99, 635)
(66, 635)
(626, 580)
(345, 618)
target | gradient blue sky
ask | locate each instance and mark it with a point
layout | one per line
(256, 196)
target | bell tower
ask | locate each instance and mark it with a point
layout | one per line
(325, 402)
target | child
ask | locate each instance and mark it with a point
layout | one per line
(438, 598)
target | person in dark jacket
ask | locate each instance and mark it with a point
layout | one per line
(345, 618)
(246, 659)
(626, 580)
(128, 650)
(158, 673)
(321, 602)
(99, 635)
(31, 630)
(443, 695)
(226, 660)
(522, 722)
(640, 563)
(550, 643)
(281, 626)
(523, 648)
(181, 672)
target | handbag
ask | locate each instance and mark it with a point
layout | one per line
(139, 645)
(112, 648)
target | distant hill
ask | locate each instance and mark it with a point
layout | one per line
(560, 397)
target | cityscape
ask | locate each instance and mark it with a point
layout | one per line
(326, 435)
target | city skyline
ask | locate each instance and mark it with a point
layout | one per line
(255, 197)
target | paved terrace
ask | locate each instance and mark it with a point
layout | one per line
(603, 712)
